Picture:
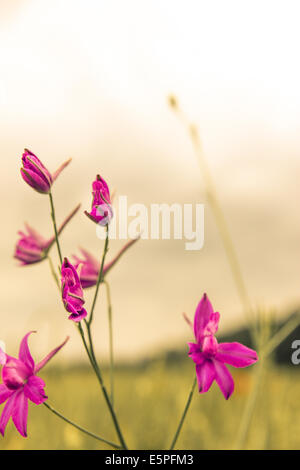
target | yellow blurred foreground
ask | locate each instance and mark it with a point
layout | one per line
(149, 402)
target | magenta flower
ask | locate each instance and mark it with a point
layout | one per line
(36, 174)
(32, 247)
(101, 212)
(210, 357)
(90, 266)
(21, 383)
(72, 293)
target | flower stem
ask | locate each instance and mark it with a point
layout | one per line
(265, 352)
(184, 414)
(90, 348)
(249, 409)
(213, 200)
(53, 272)
(116, 446)
(91, 355)
(281, 335)
(111, 346)
(55, 227)
(100, 277)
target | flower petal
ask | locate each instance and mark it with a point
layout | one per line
(34, 390)
(205, 375)
(35, 181)
(223, 378)
(5, 393)
(236, 354)
(196, 354)
(90, 259)
(209, 345)
(33, 234)
(213, 324)
(41, 364)
(88, 280)
(78, 316)
(202, 316)
(32, 162)
(15, 373)
(6, 413)
(2, 357)
(90, 216)
(20, 413)
(69, 274)
(24, 353)
(60, 169)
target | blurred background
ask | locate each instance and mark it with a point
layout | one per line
(90, 80)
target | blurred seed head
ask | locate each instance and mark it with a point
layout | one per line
(173, 103)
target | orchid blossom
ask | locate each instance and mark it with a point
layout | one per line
(20, 384)
(210, 357)
(101, 212)
(36, 174)
(72, 293)
(32, 247)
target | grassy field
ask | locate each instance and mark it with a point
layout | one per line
(149, 402)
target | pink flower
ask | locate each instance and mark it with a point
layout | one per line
(101, 212)
(36, 174)
(21, 383)
(32, 247)
(72, 293)
(210, 357)
(90, 266)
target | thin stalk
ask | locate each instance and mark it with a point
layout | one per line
(84, 342)
(249, 409)
(55, 228)
(111, 346)
(91, 355)
(184, 414)
(80, 428)
(61, 228)
(264, 353)
(212, 197)
(281, 335)
(90, 351)
(53, 272)
(100, 277)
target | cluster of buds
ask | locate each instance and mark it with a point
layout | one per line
(19, 375)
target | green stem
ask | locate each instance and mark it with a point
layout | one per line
(55, 227)
(184, 414)
(91, 355)
(111, 346)
(53, 272)
(90, 352)
(100, 276)
(84, 342)
(85, 431)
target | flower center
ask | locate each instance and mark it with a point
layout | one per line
(209, 345)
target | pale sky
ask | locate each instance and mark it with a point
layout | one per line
(89, 79)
